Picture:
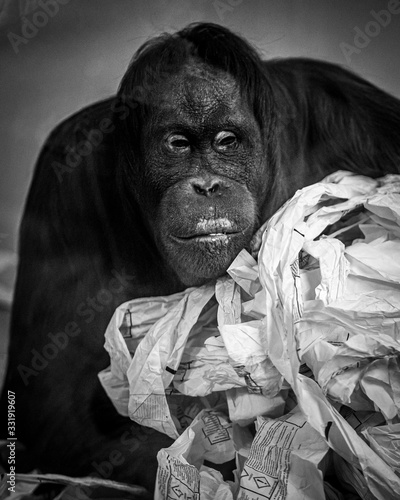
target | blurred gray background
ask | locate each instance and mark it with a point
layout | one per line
(78, 55)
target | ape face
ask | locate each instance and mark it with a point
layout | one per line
(204, 168)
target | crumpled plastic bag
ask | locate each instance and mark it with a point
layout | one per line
(181, 472)
(284, 460)
(314, 323)
(385, 441)
(194, 344)
(346, 328)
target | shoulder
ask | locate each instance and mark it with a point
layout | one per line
(96, 116)
(81, 141)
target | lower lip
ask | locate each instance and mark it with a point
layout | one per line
(208, 238)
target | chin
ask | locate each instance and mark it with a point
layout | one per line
(205, 258)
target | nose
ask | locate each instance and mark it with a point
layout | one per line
(206, 187)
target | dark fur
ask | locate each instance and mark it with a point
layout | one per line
(81, 226)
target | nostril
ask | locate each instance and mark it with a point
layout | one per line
(214, 188)
(199, 190)
(206, 189)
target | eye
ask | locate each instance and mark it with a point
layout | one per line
(178, 143)
(225, 140)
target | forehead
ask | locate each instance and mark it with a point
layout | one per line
(199, 96)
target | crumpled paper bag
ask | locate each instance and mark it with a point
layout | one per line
(346, 328)
(318, 314)
(284, 460)
(173, 356)
(181, 473)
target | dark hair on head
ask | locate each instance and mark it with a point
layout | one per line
(166, 54)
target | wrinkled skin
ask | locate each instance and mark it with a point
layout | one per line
(204, 150)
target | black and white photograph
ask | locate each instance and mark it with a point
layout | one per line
(200, 249)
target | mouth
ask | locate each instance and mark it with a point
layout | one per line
(208, 238)
(210, 230)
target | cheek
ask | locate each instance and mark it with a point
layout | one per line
(199, 236)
